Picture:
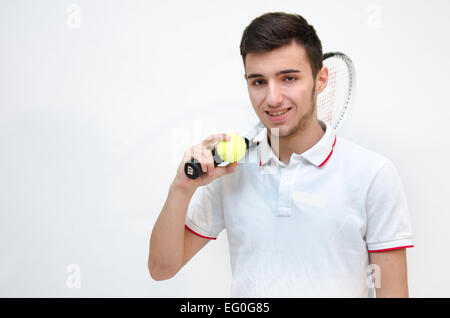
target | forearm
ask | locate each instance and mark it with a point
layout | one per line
(392, 285)
(167, 238)
(391, 279)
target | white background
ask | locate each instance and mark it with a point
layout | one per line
(99, 100)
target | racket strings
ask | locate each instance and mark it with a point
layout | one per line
(329, 98)
(333, 101)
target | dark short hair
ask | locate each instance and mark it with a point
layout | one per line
(276, 29)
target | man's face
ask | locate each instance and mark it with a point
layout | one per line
(282, 88)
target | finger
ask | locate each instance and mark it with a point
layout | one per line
(198, 155)
(209, 160)
(210, 139)
(213, 139)
(188, 155)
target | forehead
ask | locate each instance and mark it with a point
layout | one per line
(289, 56)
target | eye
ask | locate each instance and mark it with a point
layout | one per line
(290, 78)
(258, 82)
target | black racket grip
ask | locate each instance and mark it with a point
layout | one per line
(193, 168)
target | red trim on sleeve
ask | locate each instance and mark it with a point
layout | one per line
(390, 249)
(211, 238)
(332, 147)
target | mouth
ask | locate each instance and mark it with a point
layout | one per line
(278, 115)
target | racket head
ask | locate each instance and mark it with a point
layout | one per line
(334, 102)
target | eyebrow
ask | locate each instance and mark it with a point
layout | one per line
(280, 72)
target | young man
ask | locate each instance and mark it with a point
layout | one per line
(316, 216)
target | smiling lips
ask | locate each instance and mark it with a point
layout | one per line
(279, 115)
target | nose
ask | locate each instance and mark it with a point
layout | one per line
(274, 96)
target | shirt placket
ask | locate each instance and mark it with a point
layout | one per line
(285, 193)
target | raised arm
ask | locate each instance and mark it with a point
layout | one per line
(171, 244)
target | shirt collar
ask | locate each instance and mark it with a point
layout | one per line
(316, 155)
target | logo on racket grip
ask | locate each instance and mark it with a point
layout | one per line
(190, 171)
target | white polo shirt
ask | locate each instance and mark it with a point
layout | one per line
(305, 229)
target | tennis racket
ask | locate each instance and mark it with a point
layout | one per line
(334, 102)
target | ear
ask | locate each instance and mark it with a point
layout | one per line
(322, 79)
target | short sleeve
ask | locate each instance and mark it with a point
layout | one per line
(205, 212)
(388, 219)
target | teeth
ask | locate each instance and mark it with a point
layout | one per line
(279, 113)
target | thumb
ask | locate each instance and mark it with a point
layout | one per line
(227, 169)
(231, 167)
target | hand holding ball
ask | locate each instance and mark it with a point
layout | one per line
(231, 150)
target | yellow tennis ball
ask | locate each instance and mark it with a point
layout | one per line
(231, 150)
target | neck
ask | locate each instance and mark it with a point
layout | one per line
(300, 141)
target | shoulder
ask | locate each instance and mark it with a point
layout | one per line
(360, 159)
